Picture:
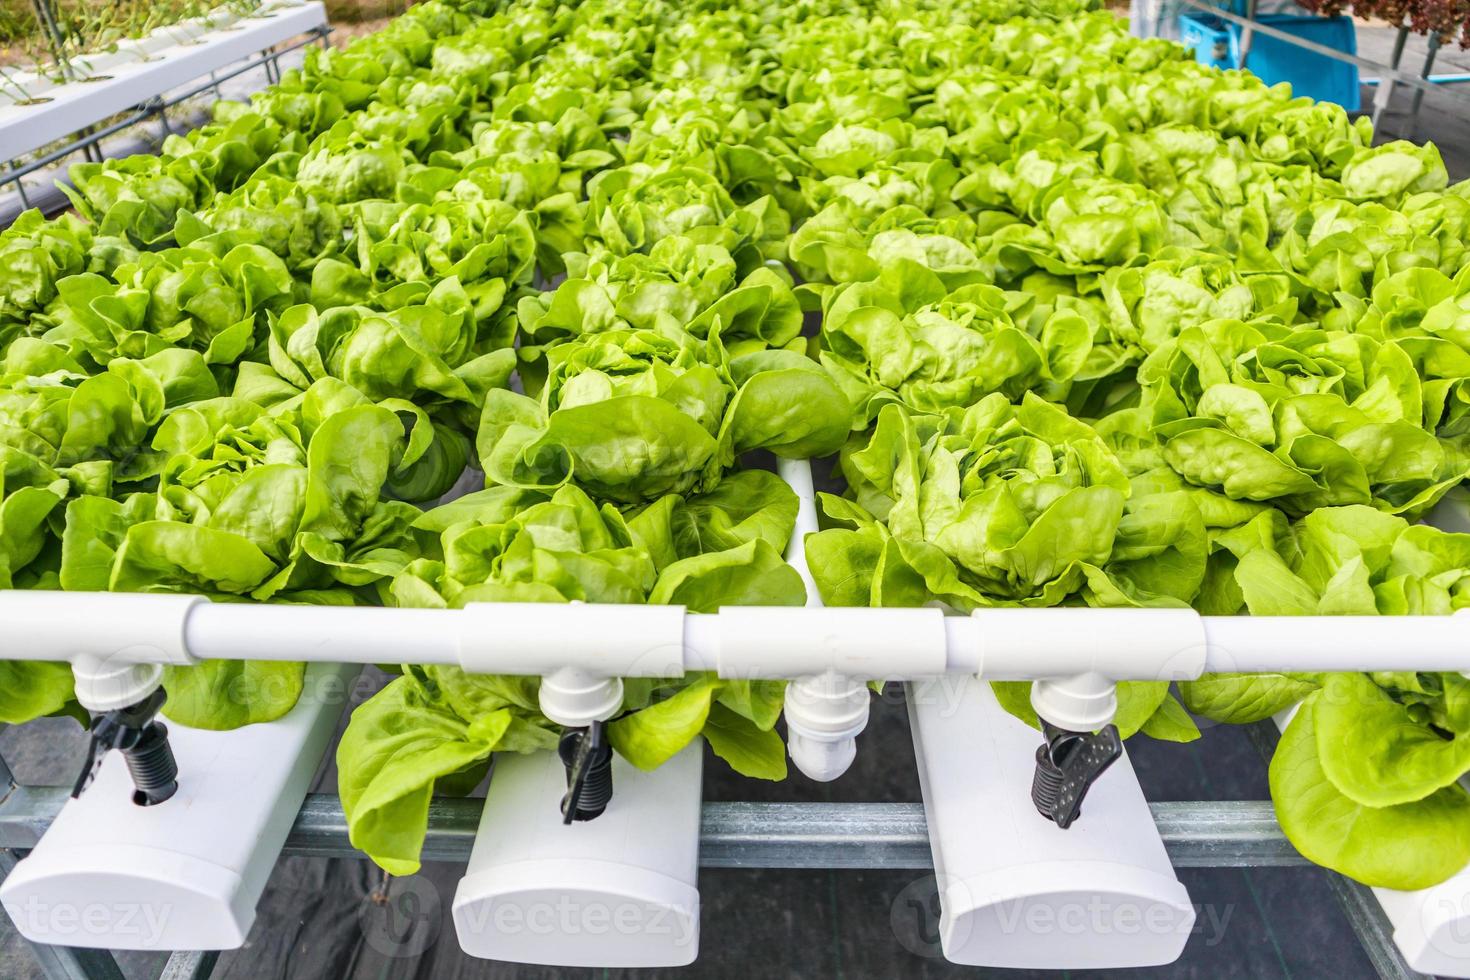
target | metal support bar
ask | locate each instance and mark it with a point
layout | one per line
(760, 835)
(1247, 35)
(1373, 929)
(47, 17)
(1384, 94)
(1419, 93)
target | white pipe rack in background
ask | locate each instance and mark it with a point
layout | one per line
(36, 110)
(743, 642)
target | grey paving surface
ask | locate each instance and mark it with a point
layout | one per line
(1444, 115)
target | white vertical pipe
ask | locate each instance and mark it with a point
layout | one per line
(824, 713)
(798, 475)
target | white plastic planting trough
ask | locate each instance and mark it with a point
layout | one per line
(1016, 891)
(36, 111)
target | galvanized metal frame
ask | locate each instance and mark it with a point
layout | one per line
(88, 140)
(891, 836)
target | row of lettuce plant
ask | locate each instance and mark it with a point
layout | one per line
(1097, 325)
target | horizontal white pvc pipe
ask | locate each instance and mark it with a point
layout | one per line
(1143, 644)
(742, 642)
(1247, 644)
(614, 640)
(336, 634)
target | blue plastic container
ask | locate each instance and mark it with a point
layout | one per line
(1217, 42)
(1208, 37)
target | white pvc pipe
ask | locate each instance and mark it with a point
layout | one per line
(1121, 644)
(117, 628)
(783, 642)
(701, 641)
(613, 640)
(826, 708)
(740, 642)
(962, 642)
(335, 634)
(798, 476)
(1246, 644)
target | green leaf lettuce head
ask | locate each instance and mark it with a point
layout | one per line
(1366, 779)
(999, 505)
(249, 506)
(904, 337)
(631, 414)
(1298, 418)
(437, 726)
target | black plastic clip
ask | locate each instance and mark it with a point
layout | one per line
(143, 741)
(1067, 764)
(588, 759)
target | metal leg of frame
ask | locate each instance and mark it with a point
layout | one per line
(272, 68)
(1419, 92)
(1247, 35)
(90, 149)
(164, 129)
(196, 965)
(1384, 92)
(65, 962)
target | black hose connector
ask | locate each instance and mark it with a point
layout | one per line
(143, 741)
(1046, 782)
(152, 765)
(587, 756)
(1067, 764)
